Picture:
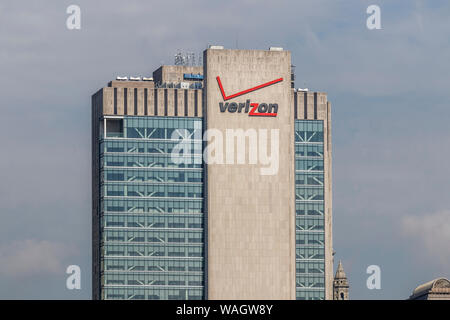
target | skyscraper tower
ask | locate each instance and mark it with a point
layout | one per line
(340, 284)
(209, 229)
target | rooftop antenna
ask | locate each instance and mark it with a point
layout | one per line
(191, 59)
(188, 59)
(180, 59)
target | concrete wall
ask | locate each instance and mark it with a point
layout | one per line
(174, 74)
(251, 227)
(96, 113)
(141, 98)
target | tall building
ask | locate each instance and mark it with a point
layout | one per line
(249, 218)
(340, 284)
(437, 289)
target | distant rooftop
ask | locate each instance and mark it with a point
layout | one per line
(439, 286)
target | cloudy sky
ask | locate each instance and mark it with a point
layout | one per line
(391, 109)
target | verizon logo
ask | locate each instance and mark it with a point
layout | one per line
(253, 109)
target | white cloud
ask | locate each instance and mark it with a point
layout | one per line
(430, 235)
(33, 257)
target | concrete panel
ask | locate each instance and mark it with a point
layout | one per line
(251, 227)
(171, 102)
(131, 84)
(140, 100)
(191, 103)
(120, 104)
(108, 101)
(200, 103)
(301, 96)
(160, 101)
(174, 74)
(181, 102)
(310, 100)
(151, 102)
(322, 105)
(130, 102)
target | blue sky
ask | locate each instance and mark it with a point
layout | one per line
(389, 94)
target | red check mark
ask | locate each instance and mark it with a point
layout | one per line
(225, 97)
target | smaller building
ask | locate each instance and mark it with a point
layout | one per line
(340, 284)
(437, 289)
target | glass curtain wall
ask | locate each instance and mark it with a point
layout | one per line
(152, 242)
(309, 214)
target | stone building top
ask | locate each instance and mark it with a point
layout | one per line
(439, 286)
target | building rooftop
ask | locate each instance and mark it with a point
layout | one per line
(439, 285)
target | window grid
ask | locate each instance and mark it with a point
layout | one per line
(152, 222)
(309, 210)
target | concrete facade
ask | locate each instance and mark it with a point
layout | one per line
(142, 98)
(174, 74)
(251, 241)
